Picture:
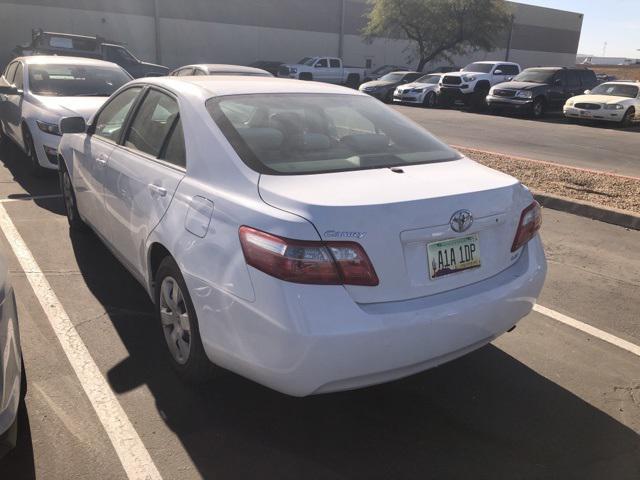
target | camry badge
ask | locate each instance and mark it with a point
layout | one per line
(461, 221)
(335, 234)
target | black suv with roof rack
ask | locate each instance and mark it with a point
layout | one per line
(68, 44)
(541, 89)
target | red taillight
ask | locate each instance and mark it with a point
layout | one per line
(301, 261)
(530, 222)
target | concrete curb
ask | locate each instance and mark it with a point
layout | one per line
(614, 216)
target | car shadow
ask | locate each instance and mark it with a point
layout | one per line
(485, 416)
(16, 162)
(19, 464)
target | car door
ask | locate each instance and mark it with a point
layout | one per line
(90, 164)
(573, 86)
(320, 70)
(336, 73)
(8, 103)
(557, 89)
(143, 174)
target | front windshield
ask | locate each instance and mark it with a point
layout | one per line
(307, 61)
(429, 79)
(294, 134)
(478, 67)
(393, 77)
(76, 80)
(535, 75)
(616, 90)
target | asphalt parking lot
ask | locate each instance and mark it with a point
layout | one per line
(598, 146)
(545, 401)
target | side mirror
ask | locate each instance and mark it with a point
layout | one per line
(508, 79)
(498, 72)
(9, 90)
(72, 125)
(587, 92)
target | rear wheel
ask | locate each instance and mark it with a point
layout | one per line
(388, 98)
(179, 324)
(36, 169)
(306, 76)
(627, 120)
(69, 198)
(353, 80)
(430, 100)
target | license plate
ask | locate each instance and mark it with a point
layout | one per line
(455, 255)
(584, 113)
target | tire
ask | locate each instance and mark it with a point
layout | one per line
(539, 108)
(627, 120)
(179, 324)
(388, 97)
(353, 80)
(35, 169)
(478, 100)
(306, 76)
(69, 198)
(430, 100)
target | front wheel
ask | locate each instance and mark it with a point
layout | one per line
(538, 108)
(179, 324)
(627, 120)
(37, 170)
(430, 100)
(69, 199)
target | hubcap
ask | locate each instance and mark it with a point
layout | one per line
(175, 320)
(67, 193)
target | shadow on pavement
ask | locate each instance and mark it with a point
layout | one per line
(19, 463)
(17, 164)
(485, 416)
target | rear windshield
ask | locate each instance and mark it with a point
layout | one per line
(75, 80)
(293, 134)
(478, 67)
(616, 90)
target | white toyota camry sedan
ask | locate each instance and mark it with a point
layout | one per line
(301, 234)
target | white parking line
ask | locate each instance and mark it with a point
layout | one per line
(133, 455)
(27, 198)
(593, 331)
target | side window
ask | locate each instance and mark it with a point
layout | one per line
(199, 73)
(560, 79)
(510, 70)
(108, 123)
(335, 63)
(572, 78)
(185, 72)
(8, 73)
(152, 123)
(174, 151)
(18, 78)
(322, 63)
(588, 78)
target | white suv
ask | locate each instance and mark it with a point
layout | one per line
(471, 84)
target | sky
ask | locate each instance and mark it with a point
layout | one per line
(616, 22)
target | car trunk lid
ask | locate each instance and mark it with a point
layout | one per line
(394, 216)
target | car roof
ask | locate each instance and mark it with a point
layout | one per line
(491, 62)
(224, 68)
(217, 86)
(62, 60)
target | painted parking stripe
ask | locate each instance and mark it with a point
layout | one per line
(132, 453)
(588, 329)
(27, 198)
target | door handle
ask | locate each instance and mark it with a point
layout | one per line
(157, 189)
(102, 159)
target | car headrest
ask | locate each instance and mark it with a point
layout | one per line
(262, 138)
(366, 142)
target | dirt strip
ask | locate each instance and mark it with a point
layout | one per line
(611, 191)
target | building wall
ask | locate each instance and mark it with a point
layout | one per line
(243, 31)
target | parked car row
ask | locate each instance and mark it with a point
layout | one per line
(219, 184)
(501, 86)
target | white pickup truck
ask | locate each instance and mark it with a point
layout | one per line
(471, 84)
(324, 69)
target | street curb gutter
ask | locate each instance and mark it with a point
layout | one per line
(622, 218)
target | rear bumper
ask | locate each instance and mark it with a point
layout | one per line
(303, 339)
